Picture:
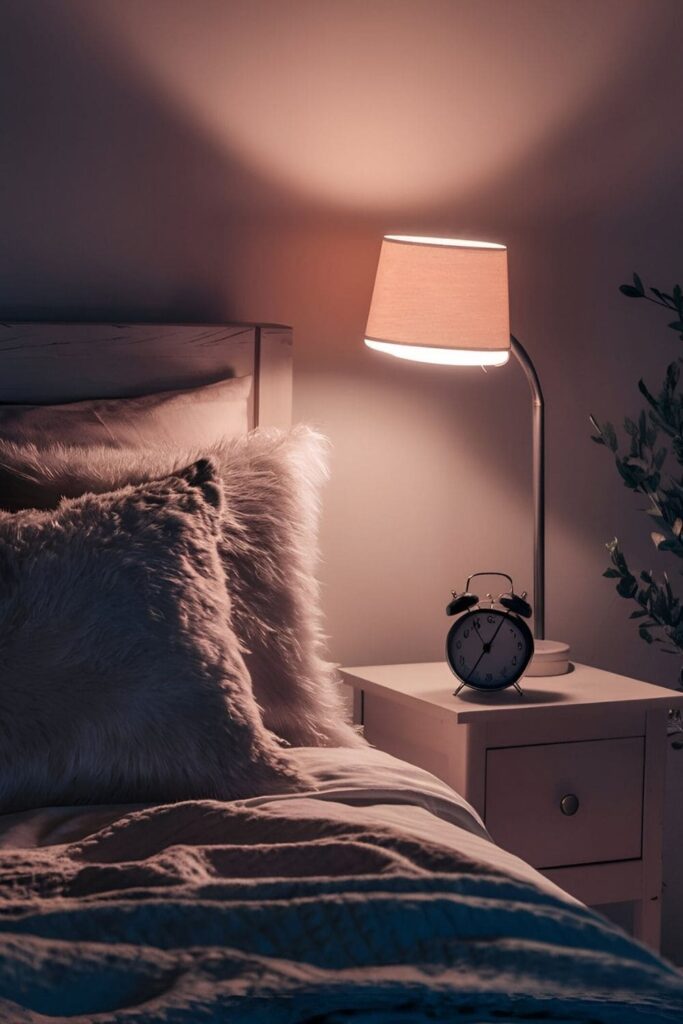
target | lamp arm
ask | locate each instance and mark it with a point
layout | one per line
(538, 473)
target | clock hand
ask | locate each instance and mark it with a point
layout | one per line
(487, 647)
(476, 630)
(476, 663)
(499, 626)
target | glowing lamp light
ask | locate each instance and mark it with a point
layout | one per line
(441, 300)
(444, 356)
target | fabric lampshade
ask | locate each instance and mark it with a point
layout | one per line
(441, 300)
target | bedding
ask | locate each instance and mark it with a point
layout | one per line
(120, 678)
(197, 416)
(271, 482)
(374, 897)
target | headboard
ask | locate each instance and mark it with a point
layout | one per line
(64, 362)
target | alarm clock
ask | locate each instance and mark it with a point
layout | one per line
(489, 645)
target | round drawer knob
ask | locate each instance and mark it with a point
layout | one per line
(569, 804)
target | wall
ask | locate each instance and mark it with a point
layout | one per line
(242, 159)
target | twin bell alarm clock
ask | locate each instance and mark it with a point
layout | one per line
(489, 645)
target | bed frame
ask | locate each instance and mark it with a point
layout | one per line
(47, 363)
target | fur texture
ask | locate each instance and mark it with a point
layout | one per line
(271, 482)
(120, 679)
(269, 546)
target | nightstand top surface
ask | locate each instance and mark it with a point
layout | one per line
(433, 683)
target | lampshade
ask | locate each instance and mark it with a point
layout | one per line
(441, 300)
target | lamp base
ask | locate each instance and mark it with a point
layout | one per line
(550, 658)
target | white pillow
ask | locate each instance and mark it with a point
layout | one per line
(198, 416)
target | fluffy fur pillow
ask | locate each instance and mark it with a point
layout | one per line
(269, 545)
(271, 481)
(120, 679)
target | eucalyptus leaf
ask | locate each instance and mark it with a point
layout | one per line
(610, 436)
(628, 289)
(627, 586)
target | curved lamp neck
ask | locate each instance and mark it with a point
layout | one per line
(538, 476)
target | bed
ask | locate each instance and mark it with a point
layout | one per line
(323, 882)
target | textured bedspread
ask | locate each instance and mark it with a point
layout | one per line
(378, 899)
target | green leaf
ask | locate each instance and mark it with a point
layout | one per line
(639, 284)
(633, 293)
(627, 586)
(611, 574)
(642, 387)
(610, 436)
(638, 614)
(677, 325)
(645, 634)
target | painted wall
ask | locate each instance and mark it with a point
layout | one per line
(222, 159)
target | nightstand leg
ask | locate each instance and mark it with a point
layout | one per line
(647, 913)
(647, 922)
(358, 707)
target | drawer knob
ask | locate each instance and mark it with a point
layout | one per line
(569, 804)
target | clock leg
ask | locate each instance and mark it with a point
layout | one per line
(519, 689)
(456, 692)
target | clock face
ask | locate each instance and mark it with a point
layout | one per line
(489, 649)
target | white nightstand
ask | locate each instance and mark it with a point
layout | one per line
(570, 777)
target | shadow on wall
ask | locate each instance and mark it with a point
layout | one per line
(140, 135)
(400, 107)
(115, 204)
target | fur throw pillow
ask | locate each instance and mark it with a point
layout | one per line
(271, 481)
(120, 679)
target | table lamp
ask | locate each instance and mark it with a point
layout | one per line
(445, 300)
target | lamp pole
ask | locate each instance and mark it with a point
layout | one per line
(538, 477)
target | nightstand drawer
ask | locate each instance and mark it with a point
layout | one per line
(567, 803)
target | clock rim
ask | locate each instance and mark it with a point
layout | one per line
(518, 621)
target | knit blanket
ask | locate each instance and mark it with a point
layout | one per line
(380, 902)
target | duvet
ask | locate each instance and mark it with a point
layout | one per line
(377, 898)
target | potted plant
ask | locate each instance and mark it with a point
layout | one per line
(649, 459)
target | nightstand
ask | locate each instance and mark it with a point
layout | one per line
(570, 776)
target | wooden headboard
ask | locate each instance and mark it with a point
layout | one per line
(62, 362)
